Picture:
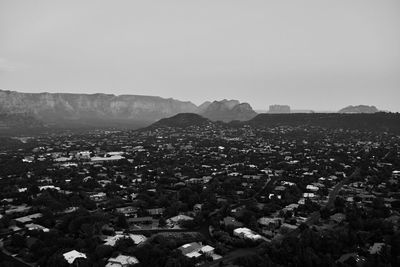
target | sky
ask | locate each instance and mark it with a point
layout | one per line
(309, 54)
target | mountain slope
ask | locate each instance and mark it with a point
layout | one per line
(19, 123)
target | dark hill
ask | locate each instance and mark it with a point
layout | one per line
(372, 122)
(182, 120)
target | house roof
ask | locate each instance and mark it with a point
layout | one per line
(193, 255)
(338, 217)
(190, 247)
(180, 218)
(376, 248)
(207, 248)
(71, 256)
(122, 260)
(112, 240)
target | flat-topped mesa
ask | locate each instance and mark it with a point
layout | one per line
(359, 109)
(277, 109)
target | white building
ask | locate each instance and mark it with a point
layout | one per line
(312, 188)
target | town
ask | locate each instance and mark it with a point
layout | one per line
(203, 195)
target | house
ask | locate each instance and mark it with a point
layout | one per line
(197, 208)
(28, 218)
(155, 211)
(207, 250)
(127, 211)
(32, 226)
(141, 220)
(109, 158)
(376, 248)
(195, 250)
(176, 219)
(357, 258)
(122, 261)
(308, 195)
(98, 197)
(291, 207)
(191, 250)
(230, 221)
(270, 223)
(246, 233)
(286, 228)
(52, 187)
(312, 188)
(18, 209)
(71, 256)
(112, 240)
(337, 218)
(280, 188)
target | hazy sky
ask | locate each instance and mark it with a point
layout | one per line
(315, 54)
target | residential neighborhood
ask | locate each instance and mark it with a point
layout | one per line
(202, 196)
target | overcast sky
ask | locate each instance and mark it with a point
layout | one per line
(310, 54)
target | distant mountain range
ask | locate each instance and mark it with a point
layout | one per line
(34, 111)
(107, 110)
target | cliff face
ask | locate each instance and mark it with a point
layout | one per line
(228, 110)
(100, 109)
(107, 110)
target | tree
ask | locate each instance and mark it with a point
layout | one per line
(121, 221)
(162, 222)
